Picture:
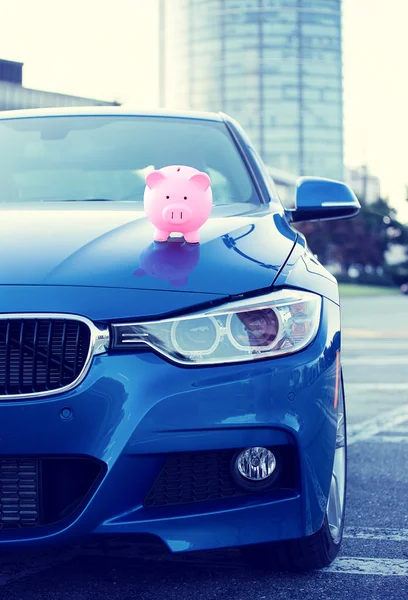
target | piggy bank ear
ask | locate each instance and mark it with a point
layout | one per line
(153, 179)
(202, 180)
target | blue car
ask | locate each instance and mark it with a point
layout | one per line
(190, 392)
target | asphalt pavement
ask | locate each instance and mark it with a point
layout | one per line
(374, 559)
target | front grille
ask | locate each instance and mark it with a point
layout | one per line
(18, 493)
(36, 492)
(40, 355)
(202, 476)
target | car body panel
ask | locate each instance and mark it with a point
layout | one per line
(133, 409)
(101, 247)
(101, 304)
(303, 271)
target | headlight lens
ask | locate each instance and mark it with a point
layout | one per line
(279, 323)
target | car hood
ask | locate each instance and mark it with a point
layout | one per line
(111, 245)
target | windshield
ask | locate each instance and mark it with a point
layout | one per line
(57, 159)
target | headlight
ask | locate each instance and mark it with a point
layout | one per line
(279, 323)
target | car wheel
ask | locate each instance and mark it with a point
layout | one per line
(321, 548)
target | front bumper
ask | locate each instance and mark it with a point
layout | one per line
(133, 410)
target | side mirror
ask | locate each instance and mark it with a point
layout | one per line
(323, 199)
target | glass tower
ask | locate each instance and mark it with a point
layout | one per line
(274, 65)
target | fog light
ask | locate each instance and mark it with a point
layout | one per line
(256, 464)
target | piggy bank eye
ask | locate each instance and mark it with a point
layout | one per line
(167, 197)
(185, 197)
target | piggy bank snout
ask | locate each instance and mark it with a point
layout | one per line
(177, 214)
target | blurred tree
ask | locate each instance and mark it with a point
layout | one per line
(363, 240)
(398, 273)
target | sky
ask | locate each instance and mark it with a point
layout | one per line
(109, 50)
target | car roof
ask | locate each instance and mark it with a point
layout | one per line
(108, 111)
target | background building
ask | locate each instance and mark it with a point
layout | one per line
(14, 96)
(274, 65)
(364, 184)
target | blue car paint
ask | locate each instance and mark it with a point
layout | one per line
(101, 304)
(91, 247)
(134, 408)
(303, 271)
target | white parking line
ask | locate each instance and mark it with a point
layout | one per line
(372, 387)
(376, 334)
(377, 345)
(375, 360)
(390, 439)
(386, 567)
(371, 427)
(376, 533)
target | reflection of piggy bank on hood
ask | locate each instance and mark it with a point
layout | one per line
(172, 262)
(177, 200)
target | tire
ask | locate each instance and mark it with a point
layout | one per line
(315, 551)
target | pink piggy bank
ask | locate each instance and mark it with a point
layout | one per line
(177, 199)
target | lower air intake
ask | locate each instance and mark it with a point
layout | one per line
(44, 491)
(18, 493)
(203, 476)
